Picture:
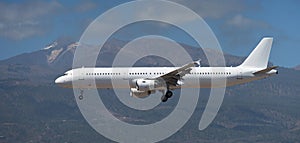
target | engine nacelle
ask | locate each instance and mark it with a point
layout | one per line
(145, 85)
(140, 94)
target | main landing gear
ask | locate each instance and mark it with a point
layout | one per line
(168, 95)
(80, 97)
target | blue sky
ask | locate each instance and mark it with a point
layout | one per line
(27, 26)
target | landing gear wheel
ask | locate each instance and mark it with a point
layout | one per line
(164, 98)
(81, 94)
(169, 94)
(80, 97)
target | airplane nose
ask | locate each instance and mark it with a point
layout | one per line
(59, 80)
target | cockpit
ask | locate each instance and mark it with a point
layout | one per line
(66, 79)
(68, 73)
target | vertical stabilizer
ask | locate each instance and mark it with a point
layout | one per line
(259, 57)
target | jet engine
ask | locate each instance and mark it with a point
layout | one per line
(140, 93)
(145, 85)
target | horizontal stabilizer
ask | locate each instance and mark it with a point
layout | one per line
(265, 70)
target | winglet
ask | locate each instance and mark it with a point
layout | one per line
(197, 63)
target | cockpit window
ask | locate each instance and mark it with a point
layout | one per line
(68, 73)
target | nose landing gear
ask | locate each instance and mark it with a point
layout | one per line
(80, 97)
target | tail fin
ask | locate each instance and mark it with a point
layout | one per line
(259, 57)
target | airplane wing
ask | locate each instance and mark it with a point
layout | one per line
(265, 70)
(174, 76)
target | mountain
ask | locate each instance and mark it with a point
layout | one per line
(297, 67)
(33, 109)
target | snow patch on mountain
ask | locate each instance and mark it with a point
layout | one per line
(54, 44)
(73, 46)
(54, 55)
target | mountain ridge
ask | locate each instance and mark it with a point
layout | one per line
(57, 57)
(297, 67)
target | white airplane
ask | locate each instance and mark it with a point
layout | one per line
(144, 81)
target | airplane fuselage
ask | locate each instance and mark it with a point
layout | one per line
(124, 77)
